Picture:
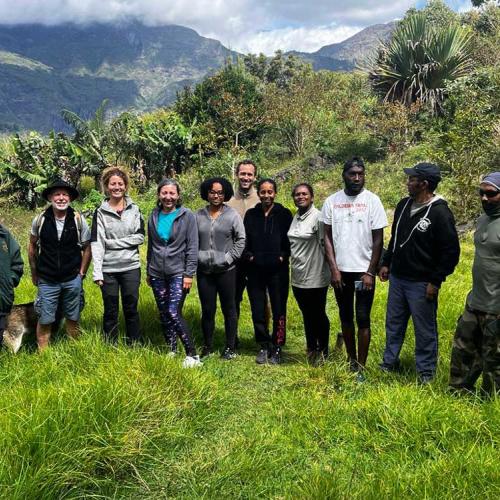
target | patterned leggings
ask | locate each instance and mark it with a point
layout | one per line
(169, 296)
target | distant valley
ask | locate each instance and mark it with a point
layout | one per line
(45, 69)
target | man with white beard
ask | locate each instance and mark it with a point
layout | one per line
(59, 256)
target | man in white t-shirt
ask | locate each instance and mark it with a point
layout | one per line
(354, 221)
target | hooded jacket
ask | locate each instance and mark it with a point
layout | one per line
(178, 255)
(115, 239)
(423, 247)
(221, 240)
(11, 269)
(266, 237)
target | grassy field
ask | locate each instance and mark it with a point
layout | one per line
(88, 420)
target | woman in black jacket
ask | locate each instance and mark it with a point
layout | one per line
(267, 252)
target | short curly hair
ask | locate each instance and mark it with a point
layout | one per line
(109, 172)
(268, 180)
(207, 184)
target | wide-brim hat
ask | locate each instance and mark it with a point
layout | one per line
(73, 192)
(425, 171)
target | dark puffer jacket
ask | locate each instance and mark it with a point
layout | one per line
(11, 269)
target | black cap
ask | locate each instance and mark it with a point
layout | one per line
(425, 171)
(73, 193)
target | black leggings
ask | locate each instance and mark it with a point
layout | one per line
(345, 301)
(127, 283)
(276, 284)
(209, 286)
(312, 303)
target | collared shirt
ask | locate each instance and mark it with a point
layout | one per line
(309, 266)
(242, 202)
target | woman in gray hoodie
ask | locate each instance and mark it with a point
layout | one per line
(172, 259)
(117, 232)
(222, 240)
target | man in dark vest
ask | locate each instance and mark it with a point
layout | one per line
(59, 256)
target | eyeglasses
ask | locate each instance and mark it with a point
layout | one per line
(488, 194)
(216, 193)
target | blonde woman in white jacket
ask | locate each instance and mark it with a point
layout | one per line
(117, 232)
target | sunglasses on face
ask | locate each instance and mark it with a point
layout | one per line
(488, 194)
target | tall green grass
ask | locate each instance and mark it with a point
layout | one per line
(85, 419)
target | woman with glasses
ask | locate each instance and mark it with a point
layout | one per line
(221, 242)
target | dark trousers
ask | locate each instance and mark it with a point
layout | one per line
(407, 298)
(275, 283)
(476, 351)
(127, 284)
(223, 285)
(3, 324)
(312, 303)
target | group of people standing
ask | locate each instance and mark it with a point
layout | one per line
(246, 239)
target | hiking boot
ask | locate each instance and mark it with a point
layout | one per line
(262, 356)
(191, 362)
(275, 358)
(228, 354)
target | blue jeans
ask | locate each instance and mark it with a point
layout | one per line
(407, 298)
(69, 293)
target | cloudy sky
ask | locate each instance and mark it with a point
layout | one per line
(243, 25)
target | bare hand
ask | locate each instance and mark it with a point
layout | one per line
(99, 283)
(34, 279)
(431, 292)
(368, 282)
(148, 280)
(336, 279)
(187, 283)
(383, 274)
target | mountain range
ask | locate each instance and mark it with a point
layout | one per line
(44, 69)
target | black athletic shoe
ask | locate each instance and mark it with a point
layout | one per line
(228, 354)
(262, 356)
(275, 357)
(425, 378)
(206, 351)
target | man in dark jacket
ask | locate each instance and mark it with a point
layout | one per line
(424, 249)
(476, 346)
(59, 256)
(11, 270)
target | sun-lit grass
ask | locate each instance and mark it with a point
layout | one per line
(84, 419)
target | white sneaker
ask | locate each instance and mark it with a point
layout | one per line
(191, 362)
(171, 354)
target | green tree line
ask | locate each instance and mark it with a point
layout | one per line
(430, 93)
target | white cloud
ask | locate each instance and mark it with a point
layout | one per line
(245, 25)
(303, 39)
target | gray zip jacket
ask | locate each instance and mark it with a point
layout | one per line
(222, 240)
(115, 239)
(178, 255)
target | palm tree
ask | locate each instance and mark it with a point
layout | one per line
(418, 61)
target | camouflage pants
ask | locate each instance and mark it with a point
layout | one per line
(476, 351)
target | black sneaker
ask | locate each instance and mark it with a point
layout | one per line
(228, 354)
(206, 351)
(425, 378)
(275, 358)
(262, 356)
